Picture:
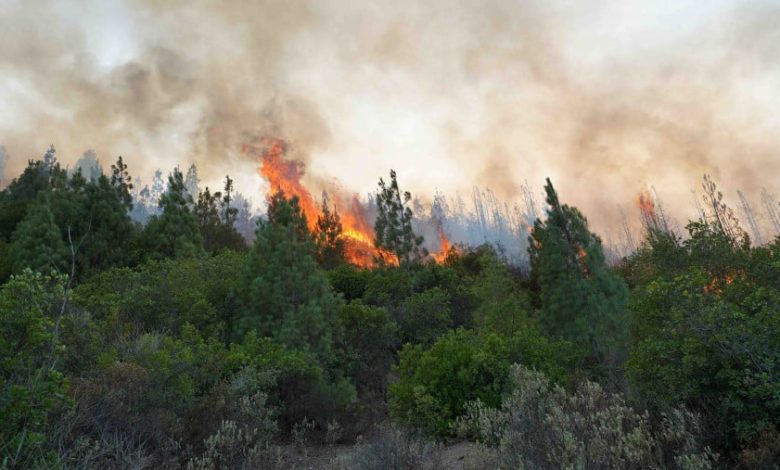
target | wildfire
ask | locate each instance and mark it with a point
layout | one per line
(284, 175)
(646, 205)
(715, 286)
(445, 247)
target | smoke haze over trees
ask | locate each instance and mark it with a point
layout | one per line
(575, 260)
(485, 93)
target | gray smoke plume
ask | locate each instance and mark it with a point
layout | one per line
(604, 98)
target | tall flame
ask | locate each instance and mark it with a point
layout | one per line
(285, 175)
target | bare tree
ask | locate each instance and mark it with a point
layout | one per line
(747, 212)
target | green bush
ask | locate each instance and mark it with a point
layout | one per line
(714, 347)
(434, 385)
(425, 316)
(303, 389)
(368, 343)
(167, 294)
(31, 386)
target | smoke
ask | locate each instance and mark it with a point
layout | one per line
(605, 99)
(3, 163)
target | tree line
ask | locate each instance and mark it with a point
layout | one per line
(177, 344)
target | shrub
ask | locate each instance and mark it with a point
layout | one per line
(31, 386)
(540, 425)
(425, 316)
(711, 345)
(303, 388)
(392, 449)
(435, 384)
(367, 346)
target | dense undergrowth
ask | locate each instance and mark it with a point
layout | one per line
(175, 345)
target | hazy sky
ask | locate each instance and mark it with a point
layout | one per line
(604, 97)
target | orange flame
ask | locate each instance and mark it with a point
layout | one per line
(716, 284)
(285, 175)
(445, 247)
(647, 207)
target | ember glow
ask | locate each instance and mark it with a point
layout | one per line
(284, 176)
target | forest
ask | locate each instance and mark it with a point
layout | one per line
(176, 339)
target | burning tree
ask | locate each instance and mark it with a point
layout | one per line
(396, 241)
(653, 217)
(284, 176)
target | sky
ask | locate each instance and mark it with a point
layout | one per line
(605, 98)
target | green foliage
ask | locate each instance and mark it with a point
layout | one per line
(216, 220)
(37, 242)
(349, 281)
(303, 389)
(167, 294)
(707, 331)
(434, 385)
(284, 292)
(540, 425)
(714, 347)
(368, 344)
(174, 234)
(393, 226)
(425, 317)
(170, 357)
(31, 385)
(328, 237)
(582, 299)
(121, 181)
(80, 226)
(39, 175)
(501, 304)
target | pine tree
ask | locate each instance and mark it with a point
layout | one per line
(174, 234)
(103, 229)
(39, 175)
(121, 180)
(37, 243)
(287, 295)
(327, 236)
(192, 182)
(229, 214)
(582, 299)
(393, 226)
(214, 222)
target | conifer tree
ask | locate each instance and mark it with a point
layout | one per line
(192, 182)
(228, 213)
(582, 299)
(39, 175)
(327, 236)
(37, 243)
(214, 222)
(174, 234)
(287, 295)
(393, 226)
(120, 179)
